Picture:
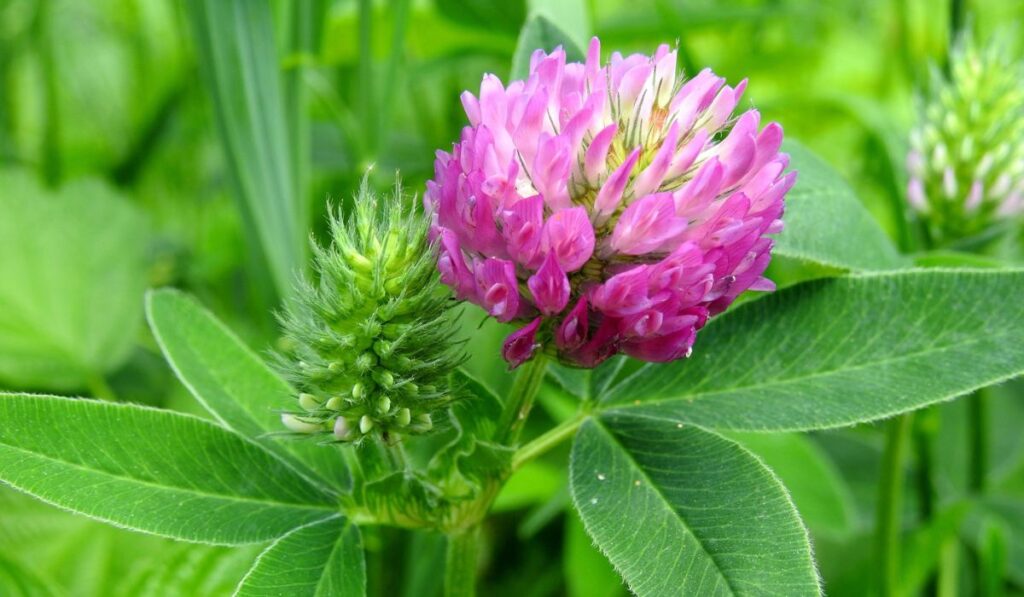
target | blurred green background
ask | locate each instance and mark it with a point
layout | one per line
(197, 143)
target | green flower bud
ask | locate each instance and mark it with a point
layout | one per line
(966, 155)
(373, 330)
(308, 401)
(301, 424)
(384, 378)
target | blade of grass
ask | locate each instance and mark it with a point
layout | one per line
(238, 59)
(303, 33)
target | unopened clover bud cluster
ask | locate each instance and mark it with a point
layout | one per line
(966, 161)
(370, 342)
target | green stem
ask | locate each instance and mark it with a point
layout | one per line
(542, 444)
(977, 438)
(925, 428)
(460, 563)
(520, 400)
(948, 584)
(890, 505)
(977, 456)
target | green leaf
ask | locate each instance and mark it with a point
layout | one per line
(830, 353)
(324, 558)
(71, 282)
(238, 58)
(826, 223)
(540, 33)
(153, 471)
(820, 493)
(181, 569)
(233, 383)
(682, 511)
(947, 258)
(459, 455)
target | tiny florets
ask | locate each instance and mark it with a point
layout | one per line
(371, 342)
(966, 161)
(610, 207)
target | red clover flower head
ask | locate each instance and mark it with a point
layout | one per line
(609, 207)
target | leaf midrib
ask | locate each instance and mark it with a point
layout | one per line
(668, 504)
(151, 484)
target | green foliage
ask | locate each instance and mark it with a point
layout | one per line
(540, 33)
(679, 510)
(369, 344)
(233, 383)
(70, 282)
(322, 558)
(238, 59)
(18, 581)
(826, 224)
(837, 352)
(305, 96)
(506, 16)
(150, 470)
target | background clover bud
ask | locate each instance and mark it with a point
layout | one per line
(966, 161)
(371, 340)
(611, 207)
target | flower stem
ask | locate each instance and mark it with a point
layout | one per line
(545, 442)
(890, 504)
(520, 400)
(977, 437)
(923, 435)
(460, 563)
